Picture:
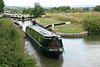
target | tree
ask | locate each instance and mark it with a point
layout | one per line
(97, 8)
(28, 10)
(1, 6)
(24, 11)
(38, 10)
(77, 10)
(59, 9)
(31, 11)
(64, 8)
(86, 9)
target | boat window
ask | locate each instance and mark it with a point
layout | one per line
(47, 42)
(54, 42)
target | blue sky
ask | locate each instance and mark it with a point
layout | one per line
(47, 3)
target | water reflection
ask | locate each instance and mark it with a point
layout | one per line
(80, 54)
(24, 24)
(92, 40)
(43, 61)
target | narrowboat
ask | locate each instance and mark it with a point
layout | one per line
(47, 41)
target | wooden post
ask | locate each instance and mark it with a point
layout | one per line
(52, 26)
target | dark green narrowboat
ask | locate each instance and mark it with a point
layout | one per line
(47, 41)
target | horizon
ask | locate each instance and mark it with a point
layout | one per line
(27, 6)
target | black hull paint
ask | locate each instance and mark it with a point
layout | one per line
(46, 53)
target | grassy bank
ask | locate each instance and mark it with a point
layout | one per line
(70, 28)
(12, 51)
(80, 22)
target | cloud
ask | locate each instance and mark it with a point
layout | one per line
(51, 2)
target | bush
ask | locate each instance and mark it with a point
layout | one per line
(38, 10)
(97, 8)
(12, 51)
(92, 24)
(77, 10)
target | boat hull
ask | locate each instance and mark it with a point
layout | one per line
(42, 49)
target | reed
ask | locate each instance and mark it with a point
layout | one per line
(92, 24)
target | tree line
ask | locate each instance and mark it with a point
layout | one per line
(38, 10)
(68, 9)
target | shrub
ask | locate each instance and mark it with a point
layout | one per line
(97, 8)
(12, 51)
(92, 24)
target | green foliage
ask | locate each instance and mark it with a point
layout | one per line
(24, 11)
(12, 51)
(92, 24)
(1, 6)
(28, 11)
(13, 9)
(77, 10)
(51, 10)
(65, 9)
(97, 8)
(38, 10)
(86, 9)
(31, 11)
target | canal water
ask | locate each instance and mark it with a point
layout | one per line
(78, 52)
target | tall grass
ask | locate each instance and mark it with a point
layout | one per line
(12, 51)
(66, 19)
(91, 20)
(72, 17)
(92, 24)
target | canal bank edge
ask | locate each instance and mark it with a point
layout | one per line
(68, 35)
(73, 35)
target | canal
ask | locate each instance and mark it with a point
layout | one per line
(78, 52)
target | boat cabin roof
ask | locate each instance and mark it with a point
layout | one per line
(43, 31)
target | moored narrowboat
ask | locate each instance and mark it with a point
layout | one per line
(47, 41)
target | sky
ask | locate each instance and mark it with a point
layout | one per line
(52, 3)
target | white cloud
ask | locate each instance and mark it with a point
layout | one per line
(51, 2)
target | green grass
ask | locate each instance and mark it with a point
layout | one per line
(5, 23)
(6, 20)
(70, 28)
(12, 51)
(89, 21)
(48, 21)
(45, 22)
